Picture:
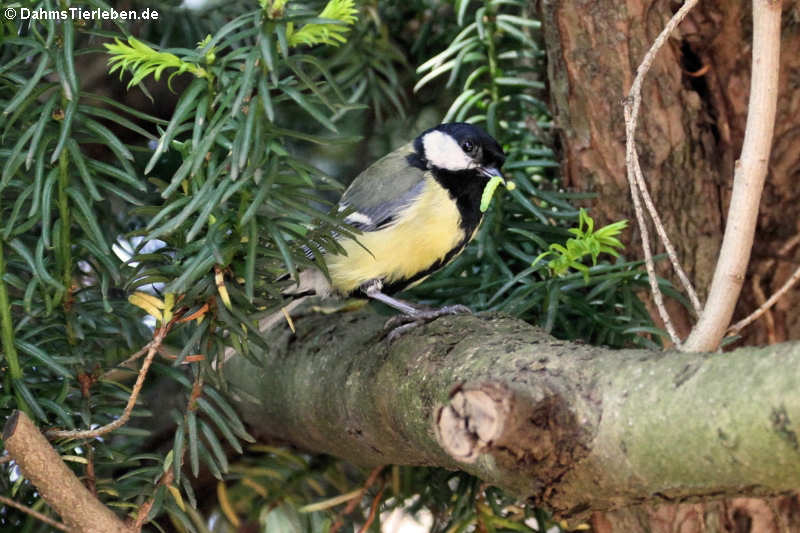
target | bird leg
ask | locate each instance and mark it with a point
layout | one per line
(412, 316)
(373, 289)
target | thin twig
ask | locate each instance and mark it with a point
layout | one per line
(734, 329)
(748, 181)
(668, 246)
(114, 374)
(197, 391)
(761, 299)
(126, 414)
(638, 186)
(169, 475)
(373, 509)
(137, 355)
(788, 245)
(144, 509)
(351, 506)
(648, 263)
(634, 101)
(111, 373)
(36, 514)
(91, 481)
(764, 304)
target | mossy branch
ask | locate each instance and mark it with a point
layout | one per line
(574, 427)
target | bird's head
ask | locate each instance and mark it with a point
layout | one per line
(458, 146)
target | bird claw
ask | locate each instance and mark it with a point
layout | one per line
(398, 331)
(400, 324)
(457, 309)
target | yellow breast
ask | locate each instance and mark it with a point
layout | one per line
(422, 234)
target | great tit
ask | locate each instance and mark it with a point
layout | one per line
(416, 208)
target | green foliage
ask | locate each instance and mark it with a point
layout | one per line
(586, 242)
(192, 217)
(112, 218)
(143, 61)
(343, 11)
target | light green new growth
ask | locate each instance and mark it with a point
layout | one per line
(273, 8)
(342, 11)
(142, 61)
(587, 241)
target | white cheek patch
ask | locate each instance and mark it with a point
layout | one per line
(442, 151)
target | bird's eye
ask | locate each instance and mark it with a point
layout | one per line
(468, 146)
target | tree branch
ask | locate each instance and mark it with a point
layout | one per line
(573, 427)
(748, 181)
(57, 484)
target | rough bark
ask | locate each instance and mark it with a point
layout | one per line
(692, 126)
(572, 427)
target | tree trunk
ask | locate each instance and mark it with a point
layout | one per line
(571, 427)
(690, 135)
(691, 130)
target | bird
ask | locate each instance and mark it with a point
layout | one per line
(416, 209)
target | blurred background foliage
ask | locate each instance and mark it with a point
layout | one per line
(192, 178)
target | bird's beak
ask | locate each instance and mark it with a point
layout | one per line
(491, 172)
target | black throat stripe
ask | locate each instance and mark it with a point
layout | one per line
(466, 188)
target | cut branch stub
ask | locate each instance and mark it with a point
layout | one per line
(473, 421)
(516, 429)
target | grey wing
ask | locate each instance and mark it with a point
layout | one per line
(383, 190)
